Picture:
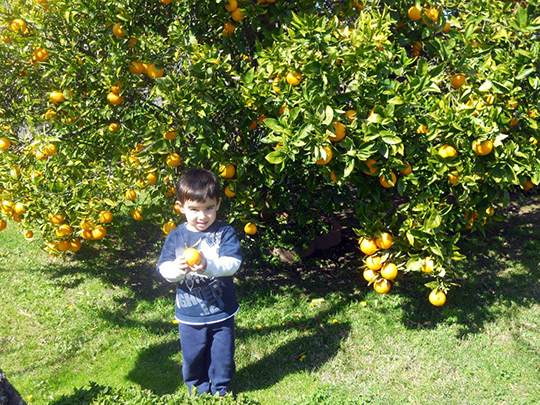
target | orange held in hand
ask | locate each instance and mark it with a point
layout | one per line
(192, 256)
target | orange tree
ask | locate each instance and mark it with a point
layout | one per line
(420, 118)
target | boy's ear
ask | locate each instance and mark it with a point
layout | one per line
(180, 207)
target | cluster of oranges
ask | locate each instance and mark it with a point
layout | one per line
(379, 268)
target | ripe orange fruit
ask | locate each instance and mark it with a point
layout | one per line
(351, 115)
(453, 177)
(114, 98)
(437, 298)
(385, 241)
(275, 84)
(40, 54)
(387, 184)
(168, 227)
(368, 246)
(99, 232)
(63, 230)
(283, 109)
(237, 15)
(131, 195)
(170, 135)
(18, 25)
(428, 265)
(137, 68)
(528, 185)
(57, 97)
(50, 149)
(75, 245)
(153, 72)
(458, 80)
(389, 271)
(369, 274)
(407, 170)
(447, 27)
(422, 129)
(56, 219)
(228, 192)
(339, 132)
(447, 151)
(323, 160)
(250, 228)
(382, 286)
(233, 5)
(5, 143)
(415, 13)
(432, 15)
(19, 208)
(373, 262)
(192, 256)
(174, 160)
(136, 214)
(151, 179)
(227, 171)
(105, 217)
(114, 127)
(118, 30)
(293, 78)
(372, 165)
(28, 234)
(87, 234)
(63, 245)
(3, 224)
(483, 148)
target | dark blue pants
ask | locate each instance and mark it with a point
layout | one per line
(208, 356)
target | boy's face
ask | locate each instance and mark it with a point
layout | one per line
(199, 214)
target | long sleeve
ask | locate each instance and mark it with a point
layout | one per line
(229, 259)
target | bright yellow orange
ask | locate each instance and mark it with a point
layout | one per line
(453, 177)
(168, 227)
(105, 217)
(428, 265)
(339, 132)
(173, 160)
(250, 228)
(57, 97)
(447, 151)
(368, 246)
(432, 15)
(437, 298)
(389, 271)
(28, 234)
(275, 84)
(99, 232)
(385, 241)
(75, 245)
(415, 13)
(56, 219)
(237, 15)
(483, 148)
(153, 72)
(137, 68)
(231, 6)
(293, 78)
(5, 143)
(136, 214)
(64, 230)
(118, 30)
(458, 80)
(351, 115)
(114, 98)
(114, 127)
(170, 134)
(227, 171)
(369, 274)
(374, 262)
(327, 159)
(50, 149)
(131, 195)
(382, 286)
(151, 179)
(228, 192)
(192, 256)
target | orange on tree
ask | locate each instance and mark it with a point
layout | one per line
(114, 98)
(369, 274)
(408, 170)
(351, 115)
(118, 30)
(63, 245)
(153, 72)
(227, 171)
(382, 285)
(151, 179)
(458, 80)
(5, 143)
(437, 298)
(168, 227)
(389, 271)
(368, 246)
(170, 135)
(173, 160)
(105, 217)
(136, 214)
(237, 15)
(250, 228)
(446, 151)
(428, 265)
(137, 68)
(28, 234)
(374, 262)
(432, 15)
(50, 149)
(339, 132)
(75, 245)
(64, 230)
(293, 78)
(99, 232)
(385, 183)
(192, 256)
(231, 5)
(453, 177)
(528, 185)
(327, 158)
(130, 195)
(372, 165)
(415, 13)
(483, 148)
(114, 127)
(385, 241)
(228, 192)
(56, 219)
(57, 97)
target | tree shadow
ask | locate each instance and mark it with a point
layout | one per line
(501, 269)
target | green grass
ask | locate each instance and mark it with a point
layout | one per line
(109, 319)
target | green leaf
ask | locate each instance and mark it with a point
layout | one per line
(524, 73)
(248, 76)
(329, 115)
(349, 168)
(434, 220)
(276, 157)
(391, 139)
(485, 86)
(273, 124)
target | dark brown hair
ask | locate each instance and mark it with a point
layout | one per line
(197, 185)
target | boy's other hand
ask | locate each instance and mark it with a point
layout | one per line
(201, 266)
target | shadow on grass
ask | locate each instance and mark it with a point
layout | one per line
(501, 270)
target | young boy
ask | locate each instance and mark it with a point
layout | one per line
(205, 296)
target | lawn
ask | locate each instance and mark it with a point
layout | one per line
(310, 333)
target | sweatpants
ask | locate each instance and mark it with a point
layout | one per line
(208, 356)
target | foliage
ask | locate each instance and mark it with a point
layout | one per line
(297, 95)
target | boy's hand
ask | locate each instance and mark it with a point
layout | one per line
(201, 266)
